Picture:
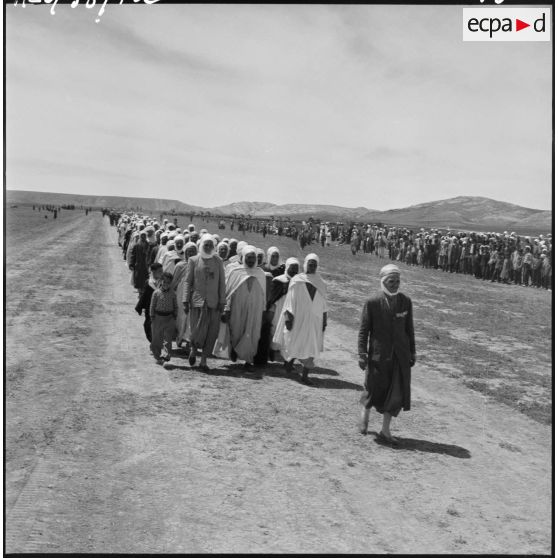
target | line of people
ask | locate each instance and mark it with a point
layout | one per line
(228, 299)
(503, 258)
(223, 298)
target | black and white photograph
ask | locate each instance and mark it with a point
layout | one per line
(278, 278)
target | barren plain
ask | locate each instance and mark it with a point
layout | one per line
(108, 452)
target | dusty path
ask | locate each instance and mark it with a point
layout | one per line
(108, 452)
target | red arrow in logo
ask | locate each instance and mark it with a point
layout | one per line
(519, 25)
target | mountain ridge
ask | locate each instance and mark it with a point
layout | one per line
(464, 212)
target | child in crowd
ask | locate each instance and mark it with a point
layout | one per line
(163, 311)
(152, 283)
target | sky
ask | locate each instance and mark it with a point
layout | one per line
(377, 106)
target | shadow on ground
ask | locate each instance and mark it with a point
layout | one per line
(238, 371)
(278, 371)
(411, 444)
(232, 371)
(272, 370)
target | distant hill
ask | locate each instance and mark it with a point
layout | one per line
(116, 202)
(468, 212)
(257, 209)
(263, 209)
(464, 212)
(535, 222)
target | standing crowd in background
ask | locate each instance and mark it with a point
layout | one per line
(505, 257)
(498, 257)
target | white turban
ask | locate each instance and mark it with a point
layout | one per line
(308, 258)
(189, 245)
(385, 272)
(270, 252)
(203, 239)
(289, 262)
(388, 270)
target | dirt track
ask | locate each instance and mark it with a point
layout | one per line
(108, 452)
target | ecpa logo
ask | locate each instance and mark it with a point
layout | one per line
(506, 24)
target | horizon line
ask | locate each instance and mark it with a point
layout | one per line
(273, 203)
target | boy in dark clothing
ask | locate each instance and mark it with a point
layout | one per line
(163, 311)
(144, 302)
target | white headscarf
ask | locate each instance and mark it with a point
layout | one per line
(203, 239)
(249, 249)
(240, 273)
(270, 252)
(190, 245)
(176, 239)
(313, 278)
(291, 261)
(223, 243)
(385, 272)
(308, 258)
(285, 277)
(240, 250)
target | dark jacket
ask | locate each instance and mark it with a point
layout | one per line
(144, 301)
(386, 334)
(138, 263)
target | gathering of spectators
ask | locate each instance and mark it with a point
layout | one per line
(507, 257)
(497, 257)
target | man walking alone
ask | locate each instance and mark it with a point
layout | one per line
(386, 349)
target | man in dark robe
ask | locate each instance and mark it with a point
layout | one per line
(138, 262)
(386, 347)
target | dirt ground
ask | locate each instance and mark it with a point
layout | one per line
(108, 452)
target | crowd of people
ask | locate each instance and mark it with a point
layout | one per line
(221, 297)
(497, 257)
(507, 258)
(216, 297)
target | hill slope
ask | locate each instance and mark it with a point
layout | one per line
(116, 202)
(467, 212)
(463, 212)
(262, 209)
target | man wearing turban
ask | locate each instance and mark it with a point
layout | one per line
(245, 302)
(204, 299)
(386, 348)
(301, 326)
